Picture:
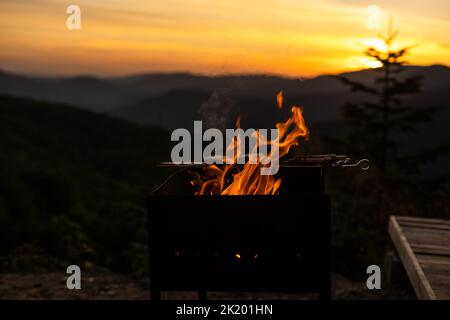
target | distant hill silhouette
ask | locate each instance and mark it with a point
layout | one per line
(132, 95)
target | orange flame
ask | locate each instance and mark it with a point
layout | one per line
(280, 99)
(231, 180)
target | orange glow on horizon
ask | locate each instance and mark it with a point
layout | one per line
(302, 38)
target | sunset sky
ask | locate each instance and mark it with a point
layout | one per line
(286, 37)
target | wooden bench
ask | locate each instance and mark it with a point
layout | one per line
(424, 248)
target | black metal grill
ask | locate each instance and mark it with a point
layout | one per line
(243, 243)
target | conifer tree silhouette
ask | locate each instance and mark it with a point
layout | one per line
(374, 123)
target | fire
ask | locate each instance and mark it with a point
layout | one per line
(280, 99)
(232, 180)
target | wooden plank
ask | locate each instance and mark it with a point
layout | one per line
(437, 240)
(431, 259)
(430, 249)
(434, 268)
(424, 230)
(441, 281)
(420, 225)
(430, 268)
(429, 241)
(401, 219)
(415, 273)
(442, 293)
(434, 235)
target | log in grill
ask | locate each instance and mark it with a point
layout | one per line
(278, 243)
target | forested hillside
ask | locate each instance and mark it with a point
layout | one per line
(73, 186)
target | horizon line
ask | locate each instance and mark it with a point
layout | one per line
(199, 74)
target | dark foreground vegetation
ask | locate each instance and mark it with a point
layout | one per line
(72, 188)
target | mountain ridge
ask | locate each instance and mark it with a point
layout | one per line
(105, 94)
